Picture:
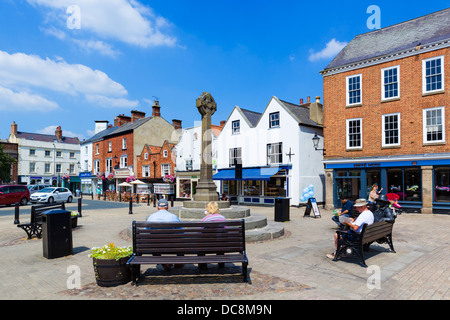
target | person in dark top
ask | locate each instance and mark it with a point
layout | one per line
(346, 211)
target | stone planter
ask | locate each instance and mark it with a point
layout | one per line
(111, 272)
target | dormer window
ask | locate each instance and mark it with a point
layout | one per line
(274, 120)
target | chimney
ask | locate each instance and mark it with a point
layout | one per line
(100, 125)
(308, 100)
(176, 124)
(316, 111)
(301, 101)
(14, 128)
(137, 115)
(121, 120)
(156, 109)
(58, 133)
(222, 123)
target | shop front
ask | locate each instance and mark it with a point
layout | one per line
(258, 186)
(421, 183)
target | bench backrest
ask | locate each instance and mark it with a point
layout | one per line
(36, 211)
(376, 231)
(188, 237)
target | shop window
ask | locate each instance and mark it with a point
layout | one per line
(275, 187)
(230, 187)
(406, 183)
(442, 184)
(252, 188)
(185, 189)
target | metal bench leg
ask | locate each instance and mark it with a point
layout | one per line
(244, 271)
(389, 241)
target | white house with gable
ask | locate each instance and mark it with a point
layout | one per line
(276, 151)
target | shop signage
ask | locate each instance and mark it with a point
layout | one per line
(312, 205)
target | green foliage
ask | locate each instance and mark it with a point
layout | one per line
(5, 165)
(111, 251)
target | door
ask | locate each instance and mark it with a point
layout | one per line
(349, 187)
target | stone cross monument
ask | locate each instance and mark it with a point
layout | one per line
(206, 188)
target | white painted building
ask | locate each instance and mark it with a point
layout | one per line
(188, 159)
(87, 171)
(276, 151)
(46, 159)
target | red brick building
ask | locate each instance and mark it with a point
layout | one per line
(155, 162)
(116, 152)
(386, 99)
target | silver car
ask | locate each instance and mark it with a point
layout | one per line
(52, 194)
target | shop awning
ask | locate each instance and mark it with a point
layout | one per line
(247, 174)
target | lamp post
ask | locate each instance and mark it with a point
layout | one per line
(316, 140)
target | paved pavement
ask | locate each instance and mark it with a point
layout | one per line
(292, 267)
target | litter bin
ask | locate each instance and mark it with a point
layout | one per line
(282, 209)
(57, 234)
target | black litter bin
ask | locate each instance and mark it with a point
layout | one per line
(57, 234)
(282, 209)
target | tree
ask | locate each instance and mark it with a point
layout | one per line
(5, 165)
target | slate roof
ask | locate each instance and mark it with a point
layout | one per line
(301, 113)
(252, 116)
(425, 30)
(46, 137)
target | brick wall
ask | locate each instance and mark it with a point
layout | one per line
(155, 154)
(116, 150)
(410, 105)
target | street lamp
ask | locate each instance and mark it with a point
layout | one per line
(316, 140)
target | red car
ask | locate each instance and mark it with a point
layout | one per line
(10, 194)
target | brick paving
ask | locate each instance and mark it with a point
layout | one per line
(292, 267)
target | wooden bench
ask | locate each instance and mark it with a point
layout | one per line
(381, 232)
(34, 227)
(187, 242)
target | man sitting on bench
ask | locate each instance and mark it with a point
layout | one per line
(162, 215)
(365, 217)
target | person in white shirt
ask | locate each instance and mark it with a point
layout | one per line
(365, 217)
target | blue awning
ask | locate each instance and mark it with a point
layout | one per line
(247, 174)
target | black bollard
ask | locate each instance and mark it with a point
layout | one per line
(171, 199)
(131, 206)
(120, 197)
(79, 207)
(16, 213)
(154, 200)
(148, 199)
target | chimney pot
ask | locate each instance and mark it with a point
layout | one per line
(308, 100)
(318, 99)
(58, 132)
(156, 109)
(176, 124)
(301, 101)
(222, 123)
(14, 128)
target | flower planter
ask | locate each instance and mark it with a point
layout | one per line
(74, 221)
(111, 272)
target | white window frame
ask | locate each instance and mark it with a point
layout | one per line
(348, 93)
(383, 89)
(32, 167)
(124, 161)
(96, 167)
(424, 77)
(235, 153)
(146, 156)
(165, 169)
(109, 146)
(425, 141)
(236, 129)
(124, 143)
(275, 156)
(347, 137)
(48, 166)
(165, 153)
(146, 171)
(108, 165)
(272, 121)
(383, 130)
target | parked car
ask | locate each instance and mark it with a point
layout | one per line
(52, 194)
(14, 193)
(36, 187)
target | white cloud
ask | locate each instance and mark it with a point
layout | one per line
(66, 133)
(103, 101)
(93, 45)
(330, 51)
(30, 70)
(24, 101)
(126, 21)
(25, 73)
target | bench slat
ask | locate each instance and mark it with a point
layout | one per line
(187, 259)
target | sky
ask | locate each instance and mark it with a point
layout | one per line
(69, 63)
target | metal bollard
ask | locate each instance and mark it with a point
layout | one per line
(130, 211)
(154, 200)
(148, 199)
(79, 207)
(16, 213)
(171, 199)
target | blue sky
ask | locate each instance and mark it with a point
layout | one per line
(71, 62)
